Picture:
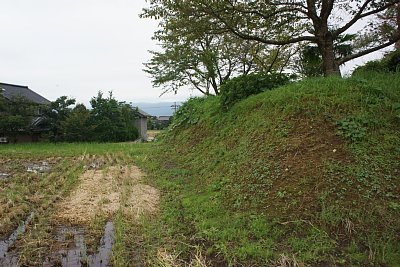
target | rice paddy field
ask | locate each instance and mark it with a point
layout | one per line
(73, 204)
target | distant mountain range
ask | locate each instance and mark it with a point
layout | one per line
(158, 109)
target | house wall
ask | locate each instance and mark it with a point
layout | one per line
(141, 125)
(26, 138)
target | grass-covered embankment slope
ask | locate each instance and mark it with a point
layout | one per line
(307, 173)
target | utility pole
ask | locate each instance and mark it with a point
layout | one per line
(175, 107)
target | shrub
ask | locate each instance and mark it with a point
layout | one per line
(113, 121)
(188, 113)
(243, 86)
(392, 61)
(76, 127)
(389, 63)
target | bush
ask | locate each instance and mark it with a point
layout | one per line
(392, 61)
(76, 127)
(113, 121)
(188, 113)
(389, 63)
(243, 86)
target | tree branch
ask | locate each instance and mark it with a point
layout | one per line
(360, 15)
(251, 37)
(312, 11)
(367, 51)
(327, 7)
(274, 60)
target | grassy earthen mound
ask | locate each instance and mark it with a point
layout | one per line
(307, 172)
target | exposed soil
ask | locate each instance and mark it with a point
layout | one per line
(98, 194)
(308, 147)
(309, 144)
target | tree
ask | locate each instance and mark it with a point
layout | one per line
(398, 25)
(309, 61)
(203, 60)
(16, 116)
(2, 101)
(56, 113)
(287, 22)
(76, 127)
(112, 121)
(391, 22)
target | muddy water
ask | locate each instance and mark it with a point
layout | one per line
(38, 168)
(102, 258)
(7, 258)
(74, 254)
(3, 176)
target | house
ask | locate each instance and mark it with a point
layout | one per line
(164, 121)
(141, 124)
(164, 118)
(12, 92)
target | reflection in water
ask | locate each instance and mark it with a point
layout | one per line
(75, 255)
(7, 258)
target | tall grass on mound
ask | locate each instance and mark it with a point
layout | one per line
(307, 173)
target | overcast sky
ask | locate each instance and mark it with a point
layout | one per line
(78, 47)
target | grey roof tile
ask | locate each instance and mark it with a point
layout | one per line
(143, 114)
(12, 90)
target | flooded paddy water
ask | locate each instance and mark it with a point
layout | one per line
(74, 251)
(70, 227)
(6, 257)
(3, 175)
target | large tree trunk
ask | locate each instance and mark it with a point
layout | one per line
(326, 48)
(397, 45)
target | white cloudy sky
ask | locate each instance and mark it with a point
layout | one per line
(77, 47)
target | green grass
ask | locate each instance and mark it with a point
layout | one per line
(309, 171)
(66, 149)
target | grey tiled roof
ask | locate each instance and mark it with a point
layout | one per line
(12, 90)
(164, 118)
(143, 114)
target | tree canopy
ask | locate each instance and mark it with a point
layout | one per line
(285, 22)
(391, 22)
(16, 116)
(76, 127)
(108, 120)
(203, 60)
(112, 121)
(56, 113)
